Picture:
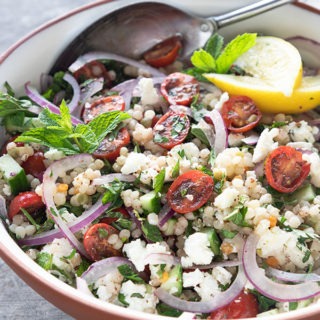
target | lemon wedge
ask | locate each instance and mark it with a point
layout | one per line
(275, 61)
(268, 98)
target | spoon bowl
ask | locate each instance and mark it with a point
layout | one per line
(150, 23)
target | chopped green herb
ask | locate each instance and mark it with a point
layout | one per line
(159, 181)
(128, 274)
(151, 232)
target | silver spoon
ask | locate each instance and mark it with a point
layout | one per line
(135, 26)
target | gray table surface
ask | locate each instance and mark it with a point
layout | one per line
(18, 17)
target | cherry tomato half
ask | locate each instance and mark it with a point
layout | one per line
(109, 148)
(244, 306)
(163, 53)
(240, 114)
(190, 191)
(27, 200)
(96, 243)
(92, 70)
(179, 88)
(103, 105)
(171, 129)
(34, 165)
(109, 220)
(285, 169)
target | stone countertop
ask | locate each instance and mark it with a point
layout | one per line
(19, 17)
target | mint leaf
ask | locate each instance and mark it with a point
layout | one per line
(151, 232)
(44, 259)
(203, 60)
(159, 181)
(214, 45)
(233, 50)
(10, 105)
(128, 273)
(85, 138)
(65, 117)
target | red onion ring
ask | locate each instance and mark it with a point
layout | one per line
(102, 267)
(82, 286)
(221, 136)
(73, 104)
(161, 258)
(36, 97)
(165, 214)
(125, 90)
(55, 170)
(251, 139)
(218, 301)
(97, 55)
(46, 81)
(276, 291)
(81, 222)
(113, 176)
(292, 277)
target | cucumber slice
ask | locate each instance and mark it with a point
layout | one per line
(13, 174)
(305, 193)
(174, 283)
(214, 241)
(150, 202)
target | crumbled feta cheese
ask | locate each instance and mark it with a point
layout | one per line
(227, 198)
(149, 95)
(197, 249)
(192, 279)
(222, 275)
(207, 288)
(314, 160)
(134, 163)
(265, 144)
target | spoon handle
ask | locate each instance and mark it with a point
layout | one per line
(247, 12)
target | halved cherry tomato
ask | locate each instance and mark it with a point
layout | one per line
(179, 88)
(27, 200)
(163, 53)
(109, 220)
(109, 148)
(92, 70)
(285, 169)
(171, 129)
(103, 105)
(11, 139)
(34, 165)
(240, 114)
(244, 306)
(190, 191)
(96, 243)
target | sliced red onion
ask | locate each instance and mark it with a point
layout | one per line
(165, 214)
(36, 97)
(219, 300)
(46, 81)
(125, 90)
(161, 258)
(3, 208)
(53, 172)
(269, 288)
(82, 286)
(103, 267)
(113, 176)
(74, 103)
(251, 139)
(309, 50)
(221, 137)
(292, 277)
(84, 220)
(97, 55)
(58, 97)
(183, 109)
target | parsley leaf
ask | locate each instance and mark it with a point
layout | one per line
(58, 132)
(159, 181)
(151, 232)
(128, 274)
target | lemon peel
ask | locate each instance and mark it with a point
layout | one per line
(268, 98)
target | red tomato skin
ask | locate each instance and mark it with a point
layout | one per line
(163, 53)
(194, 183)
(103, 105)
(27, 200)
(244, 306)
(109, 220)
(286, 164)
(34, 165)
(239, 109)
(110, 150)
(97, 246)
(179, 88)
(92, 70)
(165, 122)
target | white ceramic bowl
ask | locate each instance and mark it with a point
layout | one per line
(35, 54)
